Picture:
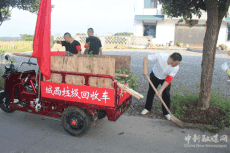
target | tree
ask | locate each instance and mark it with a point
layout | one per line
(216, 10)
(5, 5)
(29, 5)
(26, 37)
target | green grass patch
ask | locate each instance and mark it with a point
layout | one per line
(188, 109)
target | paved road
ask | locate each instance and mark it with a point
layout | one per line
(28, 133)
(217, 51)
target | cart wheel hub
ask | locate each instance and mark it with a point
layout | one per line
(74, 122)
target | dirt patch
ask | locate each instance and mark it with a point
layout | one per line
(213, 116)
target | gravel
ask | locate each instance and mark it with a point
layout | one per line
(188, 77)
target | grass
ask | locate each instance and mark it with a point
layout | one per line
(131, 48)
(169, 131)
(16, 45)
(215, 118)
(19, 50)
(19, 46)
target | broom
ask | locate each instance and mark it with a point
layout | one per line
(174, 119)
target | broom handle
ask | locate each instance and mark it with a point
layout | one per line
(158, 95)
(122, 75)
(139, 95)
(24, 55)
(126, 89)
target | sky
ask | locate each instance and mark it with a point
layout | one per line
(76, 16)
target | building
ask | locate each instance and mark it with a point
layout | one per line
(149, 20)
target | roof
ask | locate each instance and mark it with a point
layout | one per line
(149, 17)
(227, 19)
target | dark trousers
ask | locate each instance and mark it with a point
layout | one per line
(151, 94)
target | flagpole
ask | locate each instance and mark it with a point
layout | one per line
(38, 102)
(39, 87)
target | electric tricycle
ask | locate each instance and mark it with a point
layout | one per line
(79, 107)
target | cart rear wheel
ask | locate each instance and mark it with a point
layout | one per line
(75, 121)
(4, 102)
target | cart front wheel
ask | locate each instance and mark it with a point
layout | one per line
(76, 121)
(4, 102)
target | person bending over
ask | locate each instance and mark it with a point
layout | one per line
(165, 69)
(71, 45)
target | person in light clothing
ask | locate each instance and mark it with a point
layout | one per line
(226, 69)
(164, 71)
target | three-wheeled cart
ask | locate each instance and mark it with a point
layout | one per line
(79, 106)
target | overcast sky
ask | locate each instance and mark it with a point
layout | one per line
(76, 16)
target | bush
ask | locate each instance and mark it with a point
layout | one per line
(179, 43)
(131, 80)
(26, 37)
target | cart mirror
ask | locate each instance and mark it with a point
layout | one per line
(7, 57)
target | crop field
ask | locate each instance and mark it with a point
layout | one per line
(16, 46)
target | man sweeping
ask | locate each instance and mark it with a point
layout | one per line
(165, 69)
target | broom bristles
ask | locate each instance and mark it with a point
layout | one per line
(177, 121)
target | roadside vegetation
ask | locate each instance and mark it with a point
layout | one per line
(215, 118)
(25, 44)
(186, 108)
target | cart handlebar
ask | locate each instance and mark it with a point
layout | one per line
(26, 63)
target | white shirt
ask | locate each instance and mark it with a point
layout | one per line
(161, 69)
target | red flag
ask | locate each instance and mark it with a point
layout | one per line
(41, 44)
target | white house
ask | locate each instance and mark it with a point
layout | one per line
(149, 20)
